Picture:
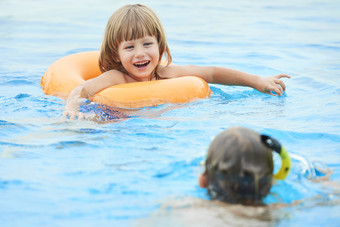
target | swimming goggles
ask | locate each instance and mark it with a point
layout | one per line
(278, 148)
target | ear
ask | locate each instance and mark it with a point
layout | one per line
(203, 181)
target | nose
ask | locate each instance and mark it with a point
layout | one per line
(139, 51)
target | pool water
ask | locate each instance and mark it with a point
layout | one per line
(56, 172)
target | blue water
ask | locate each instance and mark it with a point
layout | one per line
(83, 173)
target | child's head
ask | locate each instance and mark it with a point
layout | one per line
(130, 22)
(238, 168)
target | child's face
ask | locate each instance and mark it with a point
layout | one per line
(139, 57)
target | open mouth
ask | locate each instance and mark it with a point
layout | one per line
(141, 64)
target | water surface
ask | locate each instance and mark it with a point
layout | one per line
(65, 173)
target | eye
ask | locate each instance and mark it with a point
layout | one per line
(129, 47)
(148, 44)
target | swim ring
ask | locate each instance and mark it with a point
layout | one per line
(70, 71)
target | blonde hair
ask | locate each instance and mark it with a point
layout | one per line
(129, 23)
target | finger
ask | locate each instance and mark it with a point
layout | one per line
(73, 115)
(81, 115)
(84, 101)
(283, 75)
(271, 93)
(280, 89)
(280, 82)
(277, 89)
(65, 115)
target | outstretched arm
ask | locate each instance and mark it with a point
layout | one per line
(226, 76)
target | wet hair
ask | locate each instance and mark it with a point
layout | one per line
(239, 167)
(131, 22)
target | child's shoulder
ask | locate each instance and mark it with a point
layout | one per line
(170, 71)
(113, 77)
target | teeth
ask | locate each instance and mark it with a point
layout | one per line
(142, 63)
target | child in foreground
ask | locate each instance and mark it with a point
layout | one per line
(134, 45)
(239, 167)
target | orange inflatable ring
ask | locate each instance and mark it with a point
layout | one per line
(69, 72)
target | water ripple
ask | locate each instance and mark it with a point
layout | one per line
(5, 184)
(70, 144)
(22, 96)
(16, 82)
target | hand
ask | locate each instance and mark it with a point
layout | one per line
(73, 114)
(272, 84)
(72, 109)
